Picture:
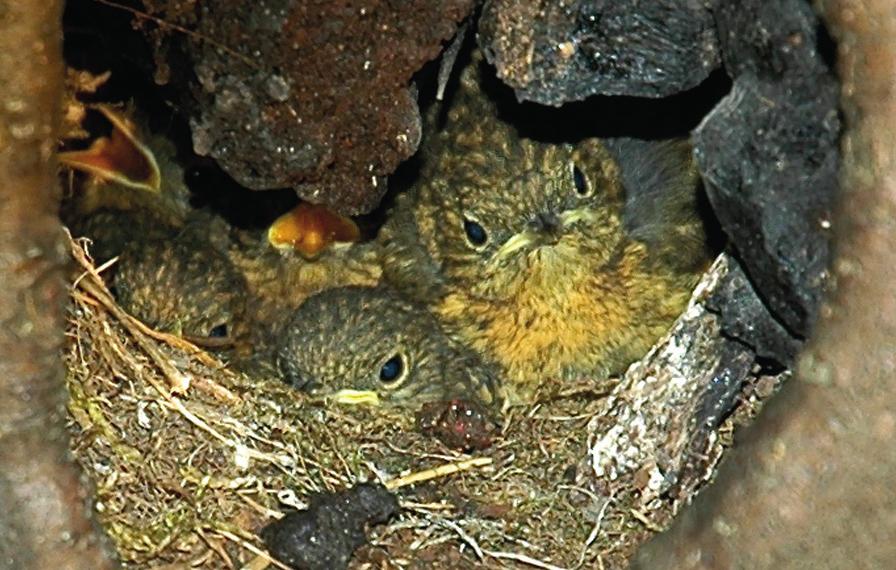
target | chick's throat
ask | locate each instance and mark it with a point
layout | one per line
(567, 317)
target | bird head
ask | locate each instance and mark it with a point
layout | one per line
(183, 286)
(366, 345)
(498, 215)
(497, 211)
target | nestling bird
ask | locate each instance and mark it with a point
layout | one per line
(188, 271)
(134, 204)
(182, 284)
(366, 344)
(130, 172)
(555, 261)
(279, 281)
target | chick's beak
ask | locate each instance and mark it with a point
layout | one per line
(309, 229)
(548, 227)
(545, 229)
(357, 397)
(120, 157)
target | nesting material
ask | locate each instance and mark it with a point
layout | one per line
(190, 461)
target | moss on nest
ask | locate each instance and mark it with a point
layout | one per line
(190, 459)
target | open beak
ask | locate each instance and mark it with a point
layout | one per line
(120, 157)
(310, 228)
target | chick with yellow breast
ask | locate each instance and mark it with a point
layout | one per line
(554, 261)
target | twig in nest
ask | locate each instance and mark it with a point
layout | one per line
(435, 473)
(207, 342)
(523, 559)
(178, 382)
(465, 537)
(263, 510)
(216, 547)
(180, 343)
(481, 553)
(261, 556)
(96, 272)
(645, 521)
(92, 283)
(599, 521)
(426, 507)
(248, 452)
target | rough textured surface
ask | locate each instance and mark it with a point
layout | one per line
(324, 536)
(768, 152)
(744, 317)
(304, 94)
(187, 480)
(44, 522)
(721, 394)
(810, 486)
(660, 437)
(553, 52)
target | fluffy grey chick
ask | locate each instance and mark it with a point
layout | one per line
(363, 344)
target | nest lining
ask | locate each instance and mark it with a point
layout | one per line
(190, 460)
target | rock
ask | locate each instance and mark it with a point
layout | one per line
(301, 94)
(324, 536)
(746, 319)
(556, 52)
(769, 153)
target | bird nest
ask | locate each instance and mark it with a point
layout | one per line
(189, 460)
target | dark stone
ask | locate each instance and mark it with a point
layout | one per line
(552, 52)
(301, 94)
(324, 536)
(745, 318)
(724, 388)
(769, 156)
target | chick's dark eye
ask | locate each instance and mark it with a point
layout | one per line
(219, 331)
(475, 232)
(583, 187)
(392, 369)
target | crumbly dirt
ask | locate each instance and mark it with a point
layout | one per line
(303, 94)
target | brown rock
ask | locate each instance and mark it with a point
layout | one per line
(304, 94)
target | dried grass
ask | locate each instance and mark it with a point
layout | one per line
(189, 460)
